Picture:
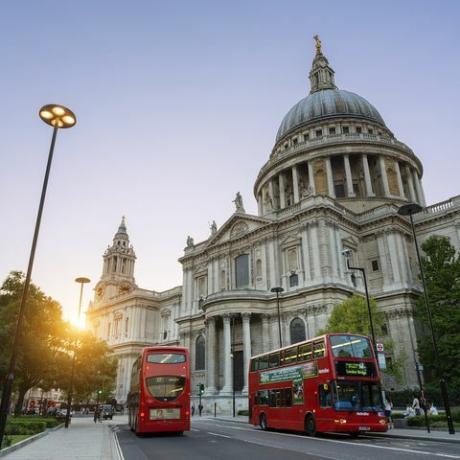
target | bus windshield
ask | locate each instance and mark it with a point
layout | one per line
(358, 396)
(166, 388)
(350, 346)
(166, 358)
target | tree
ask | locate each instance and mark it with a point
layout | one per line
(441, 266)
(94, 367)
(42, 319)
(352, 316)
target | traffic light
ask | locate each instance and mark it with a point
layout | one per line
(201, 389)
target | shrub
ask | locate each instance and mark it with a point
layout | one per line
(20, 427)
(243, 412)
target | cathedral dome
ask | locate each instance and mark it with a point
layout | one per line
(328, 103)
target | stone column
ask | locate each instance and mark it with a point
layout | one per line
(315, 252)
(349, 177)
(282, 190)
(367, 177)
(330, 178)
(306, 248)
(295, 184)
(419, 188)
(398, 176)
(260, 204)
(246, 348)
(211, 358)
(410, 183)
(334, 251)
(311, 178)
(266, 345)
(383, 172)
(275, 330)
(228, 382)
(271, 193)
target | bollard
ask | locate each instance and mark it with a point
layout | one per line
(215, 409)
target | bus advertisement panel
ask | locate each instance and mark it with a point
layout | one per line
(159, 397)
(327, 384)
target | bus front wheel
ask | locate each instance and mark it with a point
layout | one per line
(263, 422)
(310, 425)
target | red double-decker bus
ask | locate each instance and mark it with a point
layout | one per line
(159, 397)
(327, 384)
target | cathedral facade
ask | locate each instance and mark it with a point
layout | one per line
(333, 183)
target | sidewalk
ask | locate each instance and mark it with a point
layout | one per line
(83, 440)
(394, 433)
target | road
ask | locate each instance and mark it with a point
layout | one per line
(225, 440)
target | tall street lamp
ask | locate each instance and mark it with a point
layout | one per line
(56, 116)
(82, 281)
(408, 210)
(347, 254)
(278, 290)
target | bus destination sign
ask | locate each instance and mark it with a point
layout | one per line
(354, 369)
(300, 372)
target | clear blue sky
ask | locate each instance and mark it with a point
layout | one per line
(178, 104)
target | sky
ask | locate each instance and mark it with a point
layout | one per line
(178, 104)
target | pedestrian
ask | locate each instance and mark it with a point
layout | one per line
(193, 410)
(433, 410)
(200, 408)
(96, 415)
(388, 411)
(416, 405)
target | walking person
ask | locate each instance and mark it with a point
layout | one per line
(97, 415)
(416, 405)
(388, 411)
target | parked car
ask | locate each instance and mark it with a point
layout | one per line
(63, 413)
(107, 411)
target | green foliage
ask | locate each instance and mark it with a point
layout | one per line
(352, 316)
(94, 367)
(441, 267)
(42, 318)
(47, 346)
(243, 412)
(25, 427)
(419, 420)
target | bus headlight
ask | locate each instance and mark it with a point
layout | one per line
(340, 421)
(382, 421)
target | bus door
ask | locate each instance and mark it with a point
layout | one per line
(325, 412)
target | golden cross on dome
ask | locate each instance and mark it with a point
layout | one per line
(318, 44)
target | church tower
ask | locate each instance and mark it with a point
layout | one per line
(118, 268)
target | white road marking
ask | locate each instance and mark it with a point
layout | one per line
(221, 435)
(398, 449)
(194, 429)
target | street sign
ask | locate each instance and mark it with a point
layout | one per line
(419, 366)
(380, 347)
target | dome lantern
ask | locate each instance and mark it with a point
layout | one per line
(321, 74)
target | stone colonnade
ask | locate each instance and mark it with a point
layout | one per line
(212, 358)
(342, 176)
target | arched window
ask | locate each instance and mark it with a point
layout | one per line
(297, 329)
(242, 270)
(294, 280)
(199, 353)
(259, 268)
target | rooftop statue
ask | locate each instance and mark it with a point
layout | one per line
(213, 228)
(318, 44)
(190, 242)
(239, 203)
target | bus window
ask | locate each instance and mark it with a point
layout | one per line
(324, 393)
(272, 396)
(319, 349)
(262, 397)
(274, 360)
(290, 355)
(305, 352)
(253, 365)
(262, 363)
